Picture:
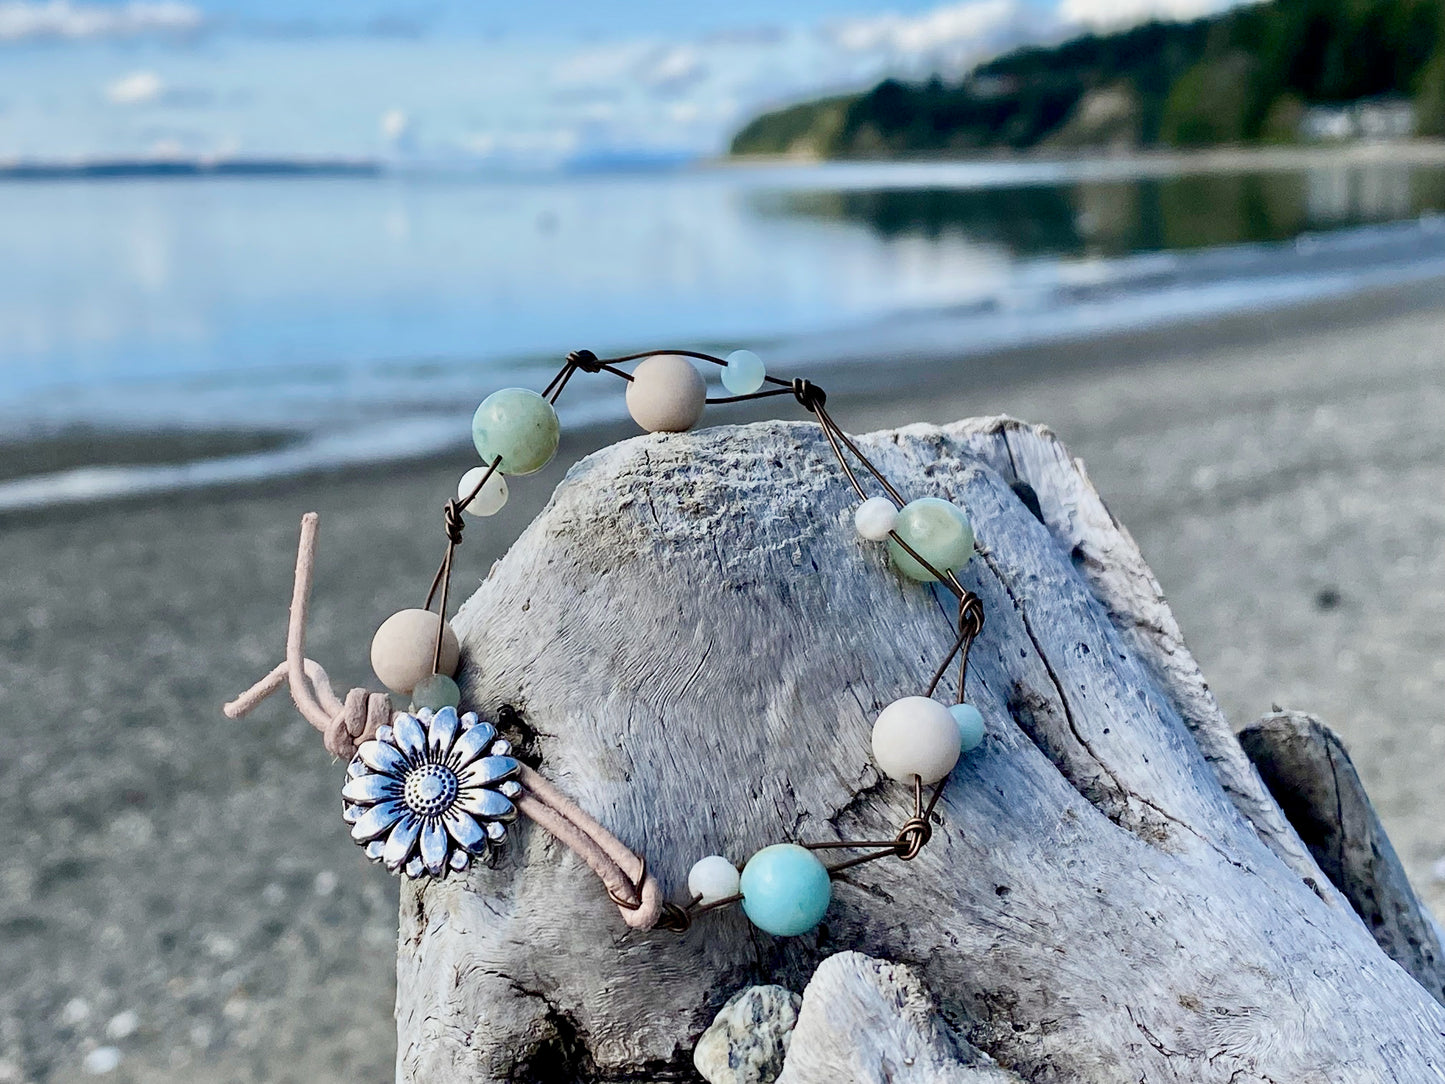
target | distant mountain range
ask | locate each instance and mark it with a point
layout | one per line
(1246, 75)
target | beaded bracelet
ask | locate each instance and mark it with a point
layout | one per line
(432, 788)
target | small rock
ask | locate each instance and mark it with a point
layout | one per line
(748, 1039)
(325, 883)
(273, 895)
(122, 1025)
(76, 1011)
(101, 1060)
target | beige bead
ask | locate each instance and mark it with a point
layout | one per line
(402, 649)
(666, 394)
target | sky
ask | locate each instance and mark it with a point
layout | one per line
(539, 83)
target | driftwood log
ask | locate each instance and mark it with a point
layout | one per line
(697, 643)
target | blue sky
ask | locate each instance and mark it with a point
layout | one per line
(533, 83)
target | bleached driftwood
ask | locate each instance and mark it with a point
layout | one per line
(867, 1021)
(698, 642)
(1309, 772)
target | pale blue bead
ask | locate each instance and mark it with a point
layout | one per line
(970, 725)
(436, 692)
(786, 889)
(518, 425)
(940, 533)
(744, 372)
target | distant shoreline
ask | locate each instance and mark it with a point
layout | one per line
(1143, 162)
(1088, 164)
(119, 168)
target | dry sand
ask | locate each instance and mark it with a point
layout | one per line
(178, 891)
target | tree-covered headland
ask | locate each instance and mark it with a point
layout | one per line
(1245, 75)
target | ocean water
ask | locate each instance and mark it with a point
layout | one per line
(368, 315)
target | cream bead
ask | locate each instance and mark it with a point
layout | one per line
(916, 736)
(402, 649)
(713, 878)
(666, 394)
(875, 518)
(492, 497)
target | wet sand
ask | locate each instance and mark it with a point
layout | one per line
(179, 888)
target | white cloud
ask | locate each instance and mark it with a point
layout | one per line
(23, 20)
(137, 88)
(955, 32)
(1117, 14)
(394, 124)
(674, 69)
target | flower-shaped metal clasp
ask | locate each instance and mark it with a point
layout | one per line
(431, 791)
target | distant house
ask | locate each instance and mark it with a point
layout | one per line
(1368, 118)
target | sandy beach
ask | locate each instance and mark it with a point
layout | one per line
(180, 888)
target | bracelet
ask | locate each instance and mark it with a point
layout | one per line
(431, 788)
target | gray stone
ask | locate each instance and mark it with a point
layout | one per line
(749, 1038)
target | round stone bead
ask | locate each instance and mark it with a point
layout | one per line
(970, 726)
(666, 394)
(713, 878)
(744, 372)
(518, 425)
(492, 497)
(785, 889)
(939, 531)
(916, 736)
(436, 692)
(875, 518)
(401, 650)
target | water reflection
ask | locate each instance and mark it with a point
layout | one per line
(1118, 217)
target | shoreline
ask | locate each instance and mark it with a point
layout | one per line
(1142, 161)
(51, 457)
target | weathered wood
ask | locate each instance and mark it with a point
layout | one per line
(1310, 774)
(698, 643)
(867, 1021)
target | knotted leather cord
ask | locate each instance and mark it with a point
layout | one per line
(345, 724)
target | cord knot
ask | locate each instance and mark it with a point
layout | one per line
(452, 519)
(810, 397)
(912, 837)
(585, 360)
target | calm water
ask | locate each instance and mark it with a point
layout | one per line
(316, 302)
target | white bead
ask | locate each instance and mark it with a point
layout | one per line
(492, 497)
(713, 878)
(916, 736)
(402, 650)
(666, 394)
(875, 518)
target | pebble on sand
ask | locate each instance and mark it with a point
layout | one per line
(122, 1025)
(101, 1060)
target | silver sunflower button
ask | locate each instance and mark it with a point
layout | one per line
(431, 791)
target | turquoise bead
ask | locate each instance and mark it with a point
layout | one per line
(785, 889)
(518, 425)
(970, 725)
(938, 530)
(744, 372)
(436, 692)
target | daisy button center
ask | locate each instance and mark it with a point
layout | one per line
(430, 790)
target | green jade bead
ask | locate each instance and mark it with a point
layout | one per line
(436, 692)
(938, 530)
(518, 425)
